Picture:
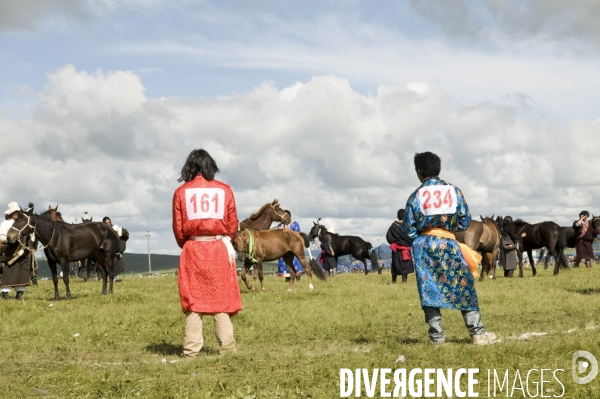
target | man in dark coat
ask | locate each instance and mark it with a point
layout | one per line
(584, 233)
(400, 244)
(328, 257)
(508, 246)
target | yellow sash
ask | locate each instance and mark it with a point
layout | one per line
(471, 256)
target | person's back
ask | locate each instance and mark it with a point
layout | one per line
(204, 223)
(434, 212)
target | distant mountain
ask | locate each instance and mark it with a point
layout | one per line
(138, 263)
(134, 263)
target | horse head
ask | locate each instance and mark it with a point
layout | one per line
(315, 230)
(53, 214)
(596, 221)
(240, 243)
(279, 215)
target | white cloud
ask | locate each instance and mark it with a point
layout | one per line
(96, 142)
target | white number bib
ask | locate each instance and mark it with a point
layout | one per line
(437, 200)
(204, 203)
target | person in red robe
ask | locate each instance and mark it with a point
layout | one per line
(204, 223)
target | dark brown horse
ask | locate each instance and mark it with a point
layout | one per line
(347, 245)
(539, 235)
(66, 243)
(271, 245)
(483, 237)
(262, 220)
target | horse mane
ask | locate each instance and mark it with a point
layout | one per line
(519, 220)
(255, 216)
(327, 232)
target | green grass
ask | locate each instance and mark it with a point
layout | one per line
(290, 345)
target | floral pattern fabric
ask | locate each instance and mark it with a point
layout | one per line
(282, 269)
(443, 277)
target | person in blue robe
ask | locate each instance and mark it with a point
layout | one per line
(443, 276)
(282, 269)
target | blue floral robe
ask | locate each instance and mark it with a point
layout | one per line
(443, 276)
(282, 270)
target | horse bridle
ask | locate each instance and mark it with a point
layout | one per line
(33, 230)
(282, 216)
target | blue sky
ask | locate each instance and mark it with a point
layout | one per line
(113, 94)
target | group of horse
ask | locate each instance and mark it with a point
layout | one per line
(256, 242)
(485, 237)
(65, 242)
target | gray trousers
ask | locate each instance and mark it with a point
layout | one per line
(433, 317)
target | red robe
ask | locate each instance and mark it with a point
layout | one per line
(208, 282)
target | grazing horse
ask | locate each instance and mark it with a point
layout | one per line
(539, 235)
(347, 245)
(483, 237)
(266, 245)
(262, 220)
(64, 243)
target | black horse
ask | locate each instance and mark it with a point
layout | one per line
(66, 243)
(571, 238)
(539, 235)
(89, 266)
(347, 245)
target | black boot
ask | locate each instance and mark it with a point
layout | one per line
(5, 295)
(404, 278)
(34, 281)
(19, 295)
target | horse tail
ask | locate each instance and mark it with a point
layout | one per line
(561, 244)
(374, 261)
(317, 270)
(306, 240)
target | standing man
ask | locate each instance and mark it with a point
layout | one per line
(328, 257)
(16, 258)
(585, 237)
(434, 212)
(282, 270)
(400, 244)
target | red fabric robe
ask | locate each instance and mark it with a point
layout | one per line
(208, 282)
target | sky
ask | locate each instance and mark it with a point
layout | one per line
(320, 104)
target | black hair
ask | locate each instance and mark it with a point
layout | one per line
(401, 213)
(199, 162)
(288, 212)
(586, 213)
(105, 218)
(428, 164)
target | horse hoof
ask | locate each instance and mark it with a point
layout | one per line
(289, 290)
(56, 298)
(311, 287)
(263, 290)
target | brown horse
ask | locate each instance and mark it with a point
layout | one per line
(266, 215)
(483, 237)
(262, 220)
(274, 244)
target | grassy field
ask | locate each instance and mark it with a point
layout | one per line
(290, 345)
